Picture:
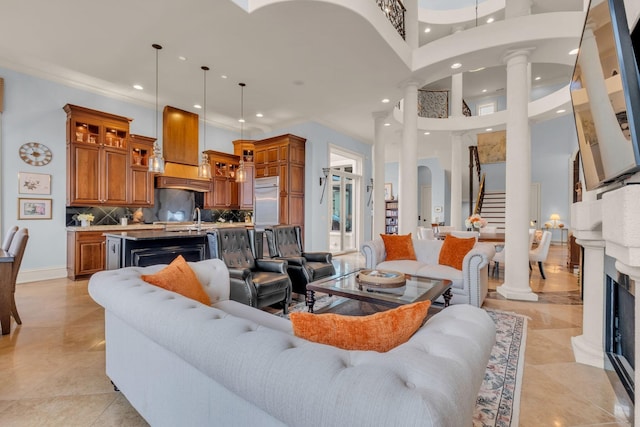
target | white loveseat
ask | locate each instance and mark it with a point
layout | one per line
(180, 362)
(469, 285)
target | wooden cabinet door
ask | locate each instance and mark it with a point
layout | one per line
(221, 196)
(245, 189)
(90, 254)
(116, 166)
(141, 188)
(84, 176)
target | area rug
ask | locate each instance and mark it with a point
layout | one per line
(498, 403)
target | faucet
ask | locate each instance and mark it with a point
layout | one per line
(199, 223)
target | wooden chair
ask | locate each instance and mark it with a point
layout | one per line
(16, 249)
(6, 243)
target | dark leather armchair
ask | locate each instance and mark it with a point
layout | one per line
(255, 282)
(285, 242)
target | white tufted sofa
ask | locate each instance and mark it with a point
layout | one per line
(183, 363)
(469, 285)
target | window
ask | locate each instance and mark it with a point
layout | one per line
(484, 109)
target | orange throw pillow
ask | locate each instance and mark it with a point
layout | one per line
(398, 247)
(454, 250)
(377, 332)
(178, 277)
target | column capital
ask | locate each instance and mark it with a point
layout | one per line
(631, 271)
(592, 244)
(410, 82)
(380, 115)
(512, 54)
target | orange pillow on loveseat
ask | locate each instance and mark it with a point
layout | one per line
(454, 250)
(178, 277)
(398, 246)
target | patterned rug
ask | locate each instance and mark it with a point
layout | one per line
(498, 403)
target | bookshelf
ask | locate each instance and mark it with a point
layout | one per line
(391, 217)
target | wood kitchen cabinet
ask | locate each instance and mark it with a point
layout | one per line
(140, 179)
(85, 253)
(245, 149)
(97, 157)
(224, 190)
(284, 156)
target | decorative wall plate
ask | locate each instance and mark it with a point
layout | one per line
(36, 154)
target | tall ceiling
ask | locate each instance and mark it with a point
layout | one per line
(301, 61)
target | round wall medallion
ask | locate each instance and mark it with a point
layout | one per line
(35, 154)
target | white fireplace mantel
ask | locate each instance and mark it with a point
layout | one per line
(612, 226)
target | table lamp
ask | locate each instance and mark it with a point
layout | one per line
(555, 218)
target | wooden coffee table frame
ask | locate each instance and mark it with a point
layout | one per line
(389, 299)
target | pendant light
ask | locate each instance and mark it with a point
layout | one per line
(156, 162)
(241, 173)
(204, 168)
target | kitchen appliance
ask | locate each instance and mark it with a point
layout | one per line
(266, 209)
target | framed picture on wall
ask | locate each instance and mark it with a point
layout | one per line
(34, 208)
(34, 183)
(388, 193)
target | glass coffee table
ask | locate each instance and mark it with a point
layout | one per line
(415, 289)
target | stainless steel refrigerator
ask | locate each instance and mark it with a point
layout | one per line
(266, 210)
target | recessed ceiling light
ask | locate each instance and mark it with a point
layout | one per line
(427, 30)
(560, 111)
(537, 78)
(484, 90)
(427, 133)
(223, 76)
(259, 115)
(385, 101)
(490, 20)
(198, 106)
(182, 58)
(488, 129)
(573, 51)
(138, 87)
(387, 124)
(240, 120)
(456, 65)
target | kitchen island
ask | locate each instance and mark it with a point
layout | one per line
(148, 247)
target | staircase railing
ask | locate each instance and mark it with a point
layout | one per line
(474, 166)
(394, 11)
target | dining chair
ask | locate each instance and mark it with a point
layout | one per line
(425, 233)
(16, 249)
(539, 254)
(499, 257)
(6, 243)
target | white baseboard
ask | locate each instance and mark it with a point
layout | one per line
(37, 275)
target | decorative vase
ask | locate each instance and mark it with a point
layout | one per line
(85, 223)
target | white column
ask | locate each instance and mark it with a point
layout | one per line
(588, 347)
(378, 174)
(456, 95)
(408, 170)
(411, 23)
(518, 181)
(456, 179)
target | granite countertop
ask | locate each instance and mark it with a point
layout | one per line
(170, 227)
(169, 232)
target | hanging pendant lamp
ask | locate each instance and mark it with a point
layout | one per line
(241, 173)
(156, 161)
(204, 168)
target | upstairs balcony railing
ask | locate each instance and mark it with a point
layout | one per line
(394, 10)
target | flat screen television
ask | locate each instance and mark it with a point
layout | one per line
(605, 94)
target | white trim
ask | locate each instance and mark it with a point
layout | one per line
(36, 275)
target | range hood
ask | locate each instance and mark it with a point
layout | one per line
(180, 150)
(182, 177)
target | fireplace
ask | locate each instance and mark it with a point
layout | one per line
(620, 324)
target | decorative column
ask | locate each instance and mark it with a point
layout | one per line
(411, 23)
(588, 347)
(408, 170)
(378, 207)
(518, 181)
(456, 95)
(456, 179)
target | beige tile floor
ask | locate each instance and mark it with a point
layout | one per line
(52, 367)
